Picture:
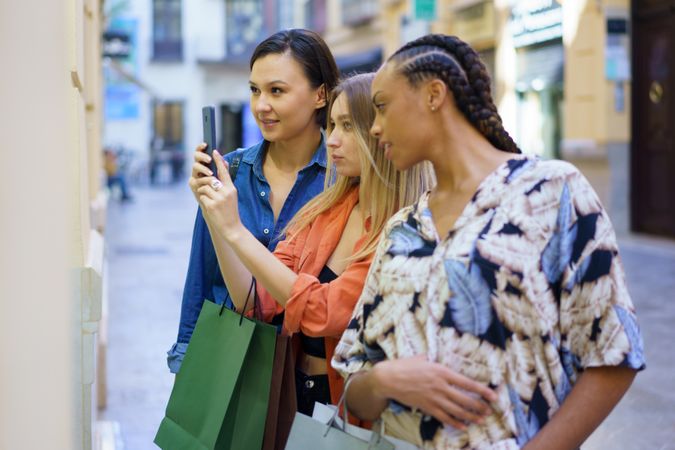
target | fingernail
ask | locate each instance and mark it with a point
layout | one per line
(210, 172)
(216, 152)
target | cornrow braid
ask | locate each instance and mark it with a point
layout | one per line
(460, 68)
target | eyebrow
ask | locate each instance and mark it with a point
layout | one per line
(271, 82)
(343, 117)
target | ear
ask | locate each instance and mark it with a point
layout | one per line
(436, 93)
(321, 97)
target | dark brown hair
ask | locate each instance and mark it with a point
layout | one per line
(311, 52)
(454, 62)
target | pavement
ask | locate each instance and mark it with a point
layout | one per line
(148, 244)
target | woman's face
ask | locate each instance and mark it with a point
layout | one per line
(399, 125)
(342, 143)
(282, 100)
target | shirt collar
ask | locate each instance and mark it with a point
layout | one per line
(257, 155)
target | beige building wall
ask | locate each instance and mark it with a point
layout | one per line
(345, 39)
(51, 263)
(596, 137)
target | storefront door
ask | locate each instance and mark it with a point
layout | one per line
(653, 141)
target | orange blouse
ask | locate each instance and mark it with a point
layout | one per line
(320, 309)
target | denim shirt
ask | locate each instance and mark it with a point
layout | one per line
(204, 280)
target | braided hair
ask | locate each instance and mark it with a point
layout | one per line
(454, 62)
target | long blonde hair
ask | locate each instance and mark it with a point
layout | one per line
(383, 190)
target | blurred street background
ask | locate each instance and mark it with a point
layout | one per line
(104, 100)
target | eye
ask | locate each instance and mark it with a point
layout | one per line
(347, 126)
(331, 125)
(254, 90)
(276, 90)
(379, 106)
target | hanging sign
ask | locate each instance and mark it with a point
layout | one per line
(535, 21)
(424, 10)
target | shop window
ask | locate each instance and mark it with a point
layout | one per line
(231, 132)
(167, 35)
(168, 124)
(539, 85)
(167, 146)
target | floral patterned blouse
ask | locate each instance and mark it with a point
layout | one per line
(525, 292)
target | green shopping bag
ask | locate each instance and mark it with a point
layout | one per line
(221, 394)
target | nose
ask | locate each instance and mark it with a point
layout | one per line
(333, 140)
(376, 129)
(261, 104)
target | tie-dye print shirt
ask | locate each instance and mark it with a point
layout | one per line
(525, 292)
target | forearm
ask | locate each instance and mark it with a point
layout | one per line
(591, 400)
(363, 399)
(271, 273)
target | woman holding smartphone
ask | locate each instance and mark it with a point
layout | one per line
(507, 272)
(292, 73)
(316, 274)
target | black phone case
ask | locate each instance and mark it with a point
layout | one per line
(209, 124)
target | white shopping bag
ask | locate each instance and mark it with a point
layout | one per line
(324, 413)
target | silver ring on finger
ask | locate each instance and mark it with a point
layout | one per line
(216, 184)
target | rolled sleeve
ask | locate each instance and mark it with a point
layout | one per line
(323, 309)
(175, 356)
(268, 308)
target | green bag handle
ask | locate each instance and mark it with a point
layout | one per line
(248, 295)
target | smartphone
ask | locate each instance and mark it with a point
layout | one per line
(209, 124)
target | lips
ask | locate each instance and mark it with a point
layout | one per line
(386, 148)
(268, 122)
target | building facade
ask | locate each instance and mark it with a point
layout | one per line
(52, 262)
(186, 55)
(177, 65)
(564, 75)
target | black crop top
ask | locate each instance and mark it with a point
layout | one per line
(315, 346)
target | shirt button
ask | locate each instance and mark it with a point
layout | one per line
(266, 231)
(262, 193)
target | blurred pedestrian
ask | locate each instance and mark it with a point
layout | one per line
(315, 276)
(292, 73)
(495, 314)
(114, 174)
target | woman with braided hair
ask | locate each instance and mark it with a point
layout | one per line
(495, 314)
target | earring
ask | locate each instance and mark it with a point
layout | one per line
(433, 108)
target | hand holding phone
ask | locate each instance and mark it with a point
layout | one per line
(209, 124)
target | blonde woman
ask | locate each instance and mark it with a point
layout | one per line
(316, 275)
